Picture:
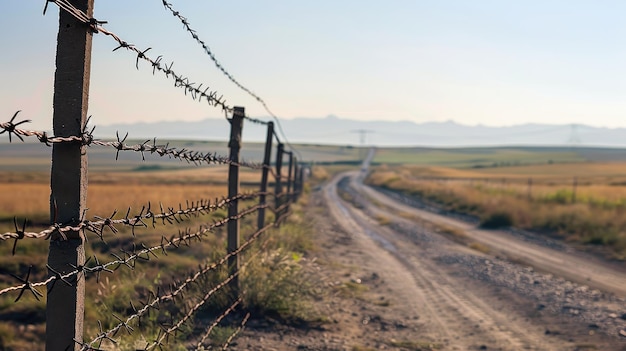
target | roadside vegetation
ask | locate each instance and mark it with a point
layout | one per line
(277, 282)
(585, 207)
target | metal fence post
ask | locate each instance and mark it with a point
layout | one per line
(266, 165)
(68, 181)
(279, 187)
(236, 126)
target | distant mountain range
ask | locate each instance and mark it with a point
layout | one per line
(339, 131)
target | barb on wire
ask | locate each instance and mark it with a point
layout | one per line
(195, 208)
(87, 139)
(196, 92)
(236, 332)
(194, 35)
(256, 121)
(207, 50)
(129, 259)
(176, 291)
(217, 321)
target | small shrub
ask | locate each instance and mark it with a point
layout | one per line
(497, 220)
(479, 247)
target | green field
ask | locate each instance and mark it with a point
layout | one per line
(492, 156)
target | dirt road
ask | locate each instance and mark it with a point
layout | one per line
(470, 300)
(394, 282)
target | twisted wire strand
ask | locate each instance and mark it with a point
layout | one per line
(236, 332)
(197, 306)
(194, 35)
(177, 290)
(129, 259)
(217, 321)
(207, 50)
(256, 121)
(86, 138)
(157, 64)
(98, 226)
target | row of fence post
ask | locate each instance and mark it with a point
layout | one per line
(65, 303)
(282, 201)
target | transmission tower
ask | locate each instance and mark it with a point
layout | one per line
(363, 134)
(574, 139)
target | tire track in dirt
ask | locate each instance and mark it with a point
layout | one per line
(457, 318)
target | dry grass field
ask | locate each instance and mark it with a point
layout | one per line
(25, 195)
(581, 202)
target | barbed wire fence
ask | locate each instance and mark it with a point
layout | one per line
(168, 308)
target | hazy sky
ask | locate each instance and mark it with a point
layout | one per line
(475, 62)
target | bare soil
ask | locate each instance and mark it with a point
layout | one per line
(393, 281)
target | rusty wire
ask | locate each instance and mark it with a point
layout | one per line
(157, 64)
(129, 258)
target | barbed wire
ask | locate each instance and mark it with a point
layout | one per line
(175, 291)
(157, 64)
(217, 321)
(277, 138)
(149, 146)
(170, 215)
(207, 50)
(194, 35)
(236, 332)
(256, 121)
(127, 258)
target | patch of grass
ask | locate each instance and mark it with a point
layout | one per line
(415, 345)
(352, 289)
(451, 231)
(479, 247)
(277, 285)
(383, 220)
(362, 348)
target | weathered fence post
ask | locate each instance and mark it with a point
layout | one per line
(264, 172)
(574, 186)
(279, 187)
(294, 192)
(296, 184)
(68, 182)
(236, 126)
(289, 181)
(301, 180)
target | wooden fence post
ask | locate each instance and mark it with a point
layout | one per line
(289, 181)
(65, 305)
(236, 126)
(294, 191)
(264, 172)
(279, 187)
(574, 186)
